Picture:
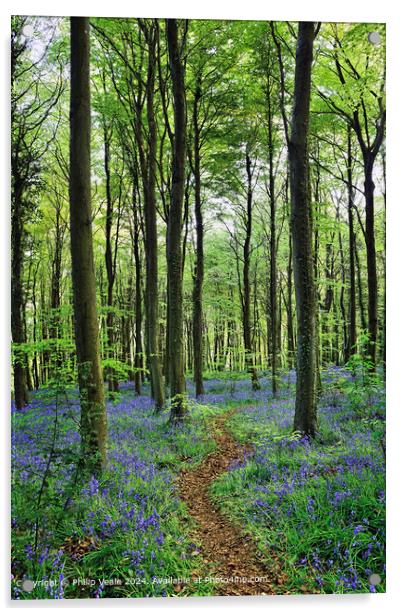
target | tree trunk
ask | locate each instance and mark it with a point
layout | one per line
(326, 339)
(317, 202)
(305, 419)
(55, 299)
(110, 270)
(126, 326)
(151, 236)
(371, 261)
(17, 325)
(93, 412)
(272, 249)
(360, 290)
(384, 314)
(351, 346)
(35, 356)
(198, 276)
(17, 231)
(248, 350)
(138, 358)
(290, 336)
(174, 230)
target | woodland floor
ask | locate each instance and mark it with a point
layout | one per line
(229, 503)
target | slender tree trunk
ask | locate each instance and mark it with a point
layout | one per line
(111, 375)
(93, 412)
(371, 261)
(126, 327)
(290, 335)
(351, 346)
(151, 237)
(384, 330)
(327, 306)
(279, 327)
(138, 357)
(174, 230)
(198, 276)
(305, 419)
(289, 288)
(362, 308)
(166, 369)
(335, 337)
(17, 236)
(342, 296)
(272, 248)
(248, 350)
(55, 299)
(317, 202)
(35, 356)
(27, 358)
(17, 325)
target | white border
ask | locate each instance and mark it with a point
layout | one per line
(339, 10)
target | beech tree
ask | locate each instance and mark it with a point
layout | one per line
(198, 275)
(174, 228)
(305, 419)
(90, 380)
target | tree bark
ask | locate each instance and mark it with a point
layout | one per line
(174, 230)
(316, 253)
(342, 294)
(305, 419)
(35, 355)
(17, 232)
(384, 313)
(55, 299)
(362, 307)
(326, 338)
(351, 346)
(198, 276)
(17, 325)
(272, 250)
(371, 261)
(289, 307)
(93, 411)
(248, 350)
(138, 358)
(110, 270)
(151, 235)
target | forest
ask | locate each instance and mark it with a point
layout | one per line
(197, 307)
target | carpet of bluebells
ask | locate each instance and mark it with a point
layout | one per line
(83, 536)
(320, 506)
